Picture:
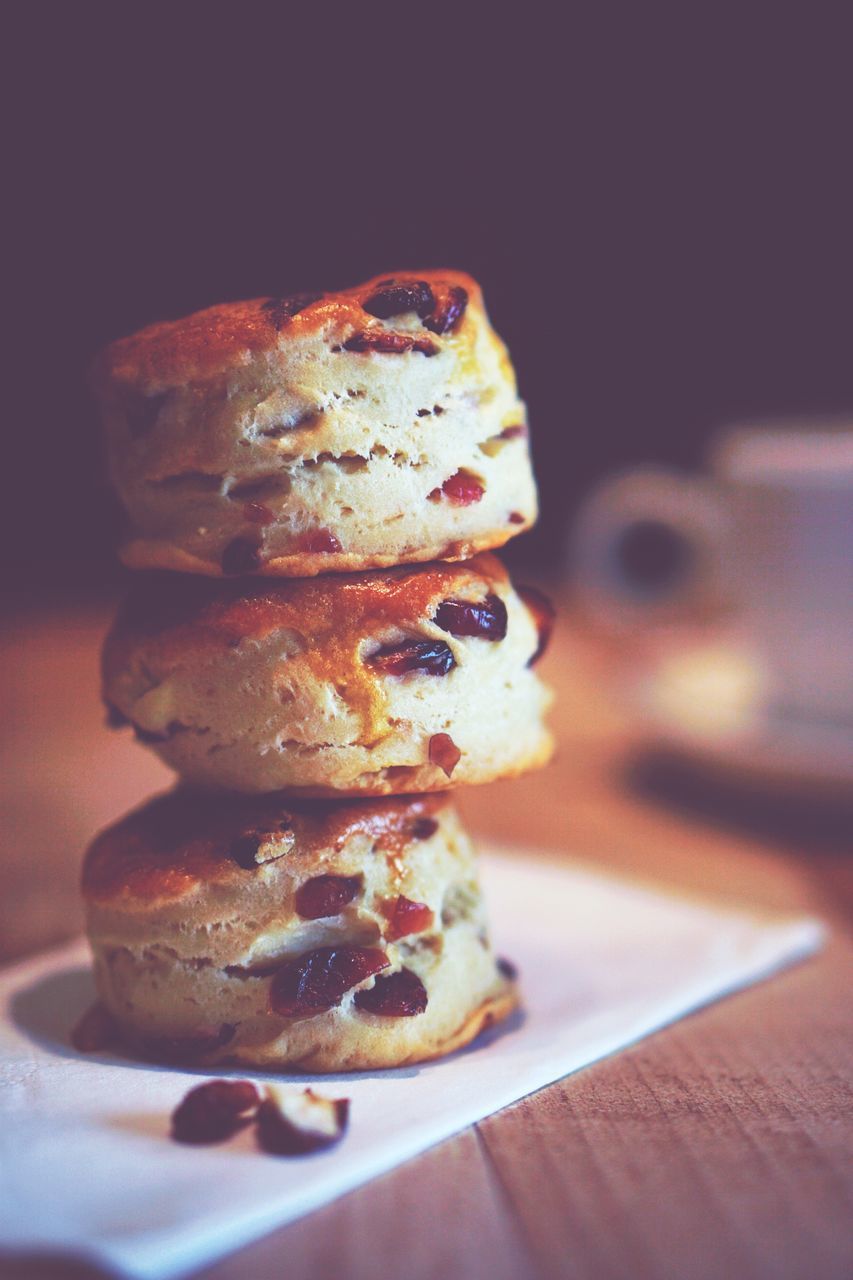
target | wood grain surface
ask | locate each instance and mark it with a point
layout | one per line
(720, 1147)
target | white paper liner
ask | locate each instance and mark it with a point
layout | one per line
(87, 1168)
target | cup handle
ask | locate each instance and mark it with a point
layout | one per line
(650, 545)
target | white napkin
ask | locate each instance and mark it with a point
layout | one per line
(87, 1166)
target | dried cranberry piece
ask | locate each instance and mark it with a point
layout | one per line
(444, 752)
(319, 542)
(507, 969)
(320, 979)
(189, 1048)
(389, 343)
(214, 1111)
(242, 555)
(515, 432)
(463, 489)
(430, 657)
(325, 896)
(396, 297)
(543, 615)
(280, 310)
(424, 828)
(257, 513)
(295, 1124)
(448, 311)
(485, 618)
(400, 995)
(515, 517)
(405, 917)
(96, 1030)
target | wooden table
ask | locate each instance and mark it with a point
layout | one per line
(717, 1148)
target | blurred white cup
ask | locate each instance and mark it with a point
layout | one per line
(768, 533)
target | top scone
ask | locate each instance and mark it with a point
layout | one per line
(294, 436)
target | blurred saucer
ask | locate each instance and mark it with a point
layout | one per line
(710, 705)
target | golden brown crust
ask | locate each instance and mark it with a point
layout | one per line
(182, 615)
(172, 618)
(209, 342)
(187, 840)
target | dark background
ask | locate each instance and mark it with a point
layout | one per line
(656, 199)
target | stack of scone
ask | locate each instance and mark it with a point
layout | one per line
(326, 654)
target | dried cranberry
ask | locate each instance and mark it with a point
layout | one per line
(280, 310)
(319, 542)
(95, 1031)
(515, 432)
(325, 896)
(449, 310)
(543, 615)
(389, 343)
(485, 618)
(405, 917)
(320, 979)
(463, 489)
(257, 513)
(242, 555)
(214, 1111)
(507, 969)
(400, 995)
(444, 752)
(429, 657)
(189, 1048)
(515, 517)
(294, 1124)
(396, 297)
(424, 828)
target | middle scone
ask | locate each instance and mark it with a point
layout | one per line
(389, 682)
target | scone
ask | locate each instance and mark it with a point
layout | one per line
(318, 936)
(395, 681)
(327, 432)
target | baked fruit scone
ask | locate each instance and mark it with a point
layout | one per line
(395, 681)
(325, 937)
(375, 426)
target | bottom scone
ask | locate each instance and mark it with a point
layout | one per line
(323, 935)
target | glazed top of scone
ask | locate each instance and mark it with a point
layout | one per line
(172, 614)
(187, 840)
(350, 630)
(426, 307)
